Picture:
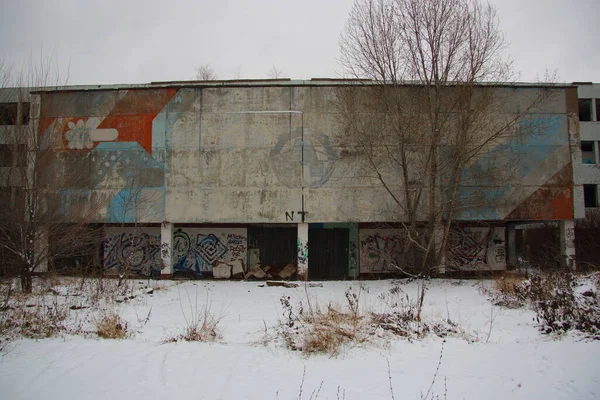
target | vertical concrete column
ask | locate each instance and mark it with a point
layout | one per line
(303, 251)
(41, 248)
(166, 249)
(567, 244)
(511, 244)
(438, 233)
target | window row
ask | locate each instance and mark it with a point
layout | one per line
(589, 110)
(9, 113)
(589, 152)
(590, 195)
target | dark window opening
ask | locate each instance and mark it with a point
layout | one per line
(588, 155)
(8, 113)
(12, 198)
(590, 193)
(8, 153)
(585, 110)
(5, 156)
(597, 109)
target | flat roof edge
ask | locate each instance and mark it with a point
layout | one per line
(274, 83)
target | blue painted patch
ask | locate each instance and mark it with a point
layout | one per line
(122, 208)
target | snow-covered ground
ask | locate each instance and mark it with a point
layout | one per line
(510, 359)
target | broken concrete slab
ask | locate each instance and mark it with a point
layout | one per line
(237, 270)
(282, 283)
(288, 271)
(222, 271)
(256, 273)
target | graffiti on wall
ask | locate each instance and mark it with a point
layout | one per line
(476, 249)
(470, 248)
(353, 257)
(198, 249)
(379, 249)
(302, 252)
(140, 252)
(303, 159)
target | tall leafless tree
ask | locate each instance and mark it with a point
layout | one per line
(36, 211)
(205, 73)
(431, 108)
(275, 72)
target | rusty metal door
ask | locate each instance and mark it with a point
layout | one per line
(328, 253)
(276, 246)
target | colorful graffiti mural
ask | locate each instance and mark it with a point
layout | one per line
(138, 250)
(197, 250)
(476, 249)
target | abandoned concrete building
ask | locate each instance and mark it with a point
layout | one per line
(228, 175)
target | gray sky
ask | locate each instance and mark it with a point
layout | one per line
(134, 41)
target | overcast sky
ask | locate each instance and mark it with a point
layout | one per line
(136, 41)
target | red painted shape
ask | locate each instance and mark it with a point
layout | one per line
(132, 116)
(45, 122)
(562, 205)
(552, 201)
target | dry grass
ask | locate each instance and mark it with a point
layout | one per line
(37, 320)
(202, 324)
(507, 291)
(508, 283)
(325, 330)
(330, 329)
(201, 329)
(111, 326)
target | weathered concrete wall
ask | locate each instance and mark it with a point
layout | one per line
(267, 154)
(198, 250)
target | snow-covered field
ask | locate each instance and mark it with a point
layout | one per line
(502, 356)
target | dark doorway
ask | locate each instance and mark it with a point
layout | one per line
(328, 253)
(275, 247)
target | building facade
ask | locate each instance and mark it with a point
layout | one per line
(214, 178)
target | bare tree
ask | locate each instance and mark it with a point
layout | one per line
(275, 72)
(205, 73)
(36, 212)
(431, 110)
(237, 74)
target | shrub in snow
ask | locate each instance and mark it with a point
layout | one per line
(563, 301)
(202, 325)
(111, 326)
(329, 329)
(325, 330)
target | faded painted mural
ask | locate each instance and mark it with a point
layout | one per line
(198, 250)
(256, 154)
(116, 141)
(303, 159)
(136, 249)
